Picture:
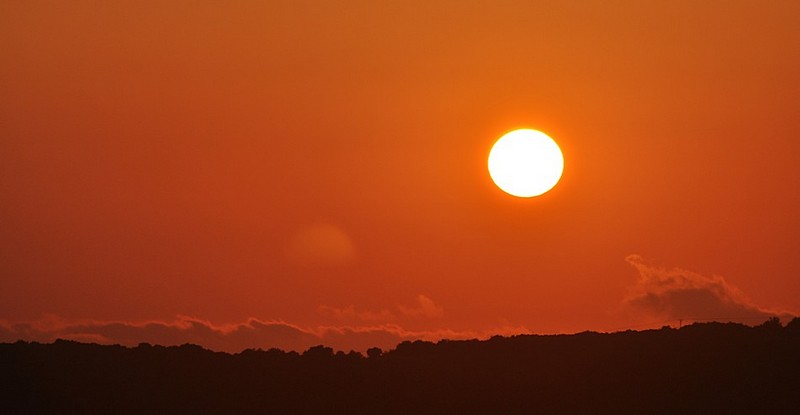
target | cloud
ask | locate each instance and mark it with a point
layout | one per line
(424, 308)
(232, 338)
(682, 294)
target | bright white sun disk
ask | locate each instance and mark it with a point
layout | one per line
(525, 163)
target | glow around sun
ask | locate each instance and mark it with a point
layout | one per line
(525, 163)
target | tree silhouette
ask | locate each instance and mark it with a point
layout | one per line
(374, 352)
(700, 368)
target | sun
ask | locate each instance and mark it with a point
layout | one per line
(525, 163)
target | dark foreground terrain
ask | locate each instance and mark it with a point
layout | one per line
(709, 368)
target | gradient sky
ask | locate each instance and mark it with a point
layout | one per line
(320, 167)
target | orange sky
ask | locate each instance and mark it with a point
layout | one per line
(323, 165)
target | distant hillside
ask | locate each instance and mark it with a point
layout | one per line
(703, 368)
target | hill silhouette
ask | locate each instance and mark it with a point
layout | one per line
(701, 368)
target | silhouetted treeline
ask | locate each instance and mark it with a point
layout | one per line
(703, 368)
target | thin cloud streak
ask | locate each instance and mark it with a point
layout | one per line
(232, 338)
(424, 308)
